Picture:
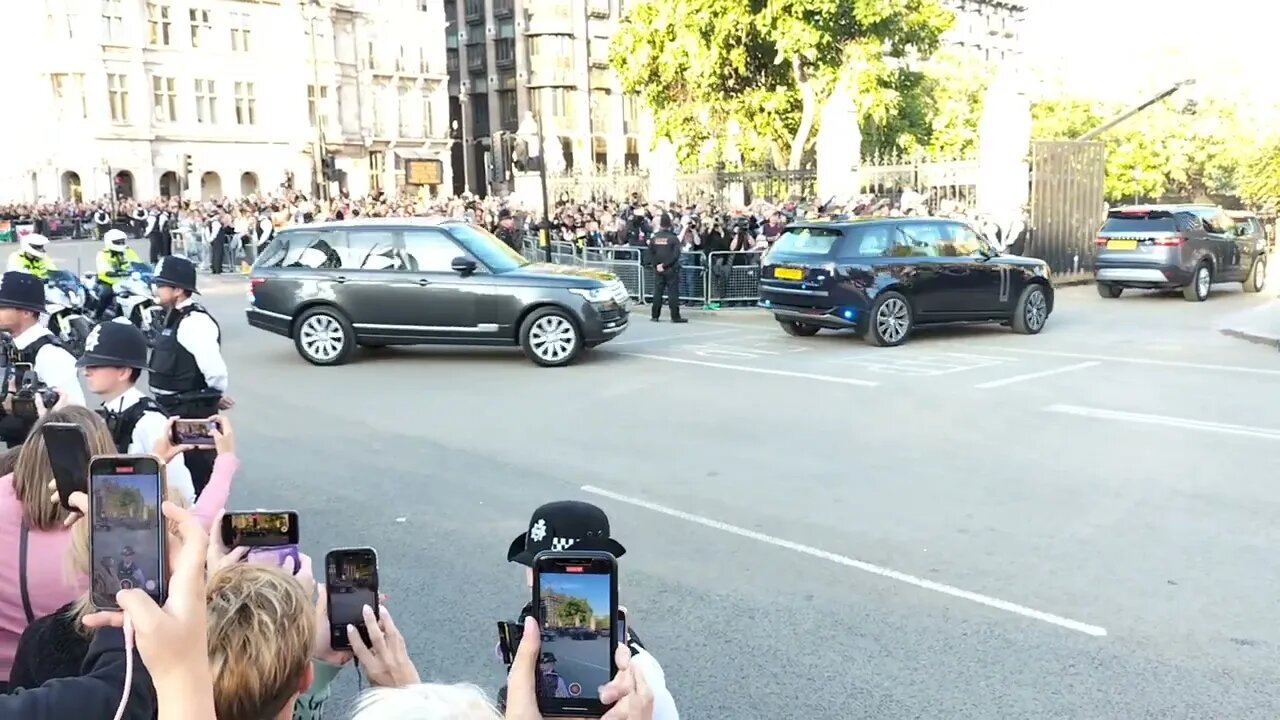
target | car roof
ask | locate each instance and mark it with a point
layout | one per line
(1166, 207)
(871, 221)
(368, 222)
(1241, 215)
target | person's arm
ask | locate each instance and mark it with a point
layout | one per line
(199, 335)
(150, 428)
(95, 694)
(310, 704)
(57, 369)
(213, 499)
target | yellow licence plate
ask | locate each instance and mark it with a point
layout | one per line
(788, 273)
(1122, 245)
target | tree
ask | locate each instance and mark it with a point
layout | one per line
(771, 63)
(957, 80)
(1260, 176)
(573, 611)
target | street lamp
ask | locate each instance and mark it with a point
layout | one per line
(317, 149)
(1135, 110)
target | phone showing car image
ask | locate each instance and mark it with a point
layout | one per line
(68, 451)
(272, 535)
(351, 583)
(126, 538)
(188, 431)
(576, 597)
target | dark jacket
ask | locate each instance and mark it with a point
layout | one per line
(51, 647)
(95, 694)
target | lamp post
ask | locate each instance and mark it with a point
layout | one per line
(544, 233)
(317, 148)
(1135, 110)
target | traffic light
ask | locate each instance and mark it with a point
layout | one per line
(186, 166)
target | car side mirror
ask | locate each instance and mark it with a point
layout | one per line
(463, 265)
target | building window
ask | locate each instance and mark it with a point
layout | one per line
(451, 61)
(112, 22)
(508, 110)
(118, 95)
(68, 96)
(504, 52)
(480, 115)
(404, 108)
(240, 31)
(475, 9)
(630, 114)
(246, 105)
(158, 25)
(206, 102)
(200, 27)
(601, 111)
(476, 61)
(62, 22)
(552, 58)
(428, 115)
(424, 5)
(164, 96)
(560, 103)
(504, 7)
(317, 105)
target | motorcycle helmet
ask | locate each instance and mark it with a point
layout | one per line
(34, 244)
(115, 240)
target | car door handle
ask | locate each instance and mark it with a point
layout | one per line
(340, 279)
(424, 282)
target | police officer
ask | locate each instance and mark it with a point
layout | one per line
(101, 222)
(139, 217)
(113, 263)
(506, 230)
(114, 358)
(157, 234)
(188, 375)
(21, 304)
(32, 257)
(664, 254)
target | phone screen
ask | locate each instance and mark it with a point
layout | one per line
(68, 452)
(127, 538)
(260, 529)
(577, 605)
(351, 581)
(194, 432)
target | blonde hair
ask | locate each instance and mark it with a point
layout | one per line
(426, 701)
(261, 629)
(31, 474)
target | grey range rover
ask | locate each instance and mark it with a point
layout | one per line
(372, 282)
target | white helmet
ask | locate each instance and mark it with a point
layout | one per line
(33, 244)
(115, 240)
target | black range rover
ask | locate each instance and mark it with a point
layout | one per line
(884, 276)
(374, 282)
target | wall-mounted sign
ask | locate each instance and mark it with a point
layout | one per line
(424, 172)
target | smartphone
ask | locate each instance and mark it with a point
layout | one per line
(351, 582)
(620, 630)
(576, 597)
(20, 371)
(268, 535)
(68, 451)
(127, 537)
(188, 431)
(509, 635)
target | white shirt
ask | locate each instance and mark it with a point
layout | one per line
(150, 428)
(199, 335)
(55, 366)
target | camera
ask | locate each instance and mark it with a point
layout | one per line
(24, 398)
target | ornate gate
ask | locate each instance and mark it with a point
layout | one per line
(1067, 203)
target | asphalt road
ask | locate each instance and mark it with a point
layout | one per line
(1079, 524)
(584, 662)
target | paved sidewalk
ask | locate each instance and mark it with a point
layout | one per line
(1257, 325)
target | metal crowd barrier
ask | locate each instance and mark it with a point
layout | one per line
(717, 279)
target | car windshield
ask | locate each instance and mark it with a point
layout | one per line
(487, 248)
(1140, 222)
(806, 241)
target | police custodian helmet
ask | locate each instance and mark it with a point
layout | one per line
(113, 344)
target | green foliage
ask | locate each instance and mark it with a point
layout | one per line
(770, 63)
(1260, 177)
(956, 83)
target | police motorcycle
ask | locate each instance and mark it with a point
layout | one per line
(135, 301)
(65, 298)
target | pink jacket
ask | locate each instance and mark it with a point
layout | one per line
(47, 585)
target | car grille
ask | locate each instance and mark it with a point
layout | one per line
(619, 292)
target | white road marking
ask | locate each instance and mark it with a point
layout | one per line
(758, 328)
(759, 371)
(1032, 376)
(1205, 425)
(661, 338)
(921, 365)
(1139, 361)
(849, 562)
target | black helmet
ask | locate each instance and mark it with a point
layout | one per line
(113, 344)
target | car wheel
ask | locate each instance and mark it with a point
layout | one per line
(798, 329)
(1031, 312)
(1109, 291)
(1257, 279)
(550, 338)
(1198, 290)
(890, 322)
(323, 336)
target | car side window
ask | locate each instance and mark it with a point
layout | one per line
(373, 250)
(431, 250)
(876, 241)
(315, 250)
(1219, 223)
(918, 240)
(958, 241)
(1188, 222)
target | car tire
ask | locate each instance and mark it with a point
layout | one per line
(1257, 280)
(1032, 311)
(1201, 279)
(324, 336)
(798, 329)
(550, 337)
(1109, 291)
(890, 320)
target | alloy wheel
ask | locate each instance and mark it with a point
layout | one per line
(1037, 310)
(552, 338)
(1202, 281)
(322, 337)
(892, 319)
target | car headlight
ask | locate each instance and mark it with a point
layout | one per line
(595, 295)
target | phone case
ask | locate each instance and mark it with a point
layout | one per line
(100, 596)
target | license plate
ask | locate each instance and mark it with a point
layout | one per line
(1122, 245)
(788, 273)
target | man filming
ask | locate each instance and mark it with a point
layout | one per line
(114, 262)
(21, 304)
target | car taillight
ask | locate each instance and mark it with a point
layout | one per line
(253, 285)
(1099, 241)
(1170, 240)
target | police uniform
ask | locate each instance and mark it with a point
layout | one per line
(157, 234)
(187, 373)
(32, 257)
(136, 421)
(139, 222)
(101, 222)
(37, 346)
(664, 250)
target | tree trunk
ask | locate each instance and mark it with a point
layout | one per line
(775, 152)
(808, 111)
